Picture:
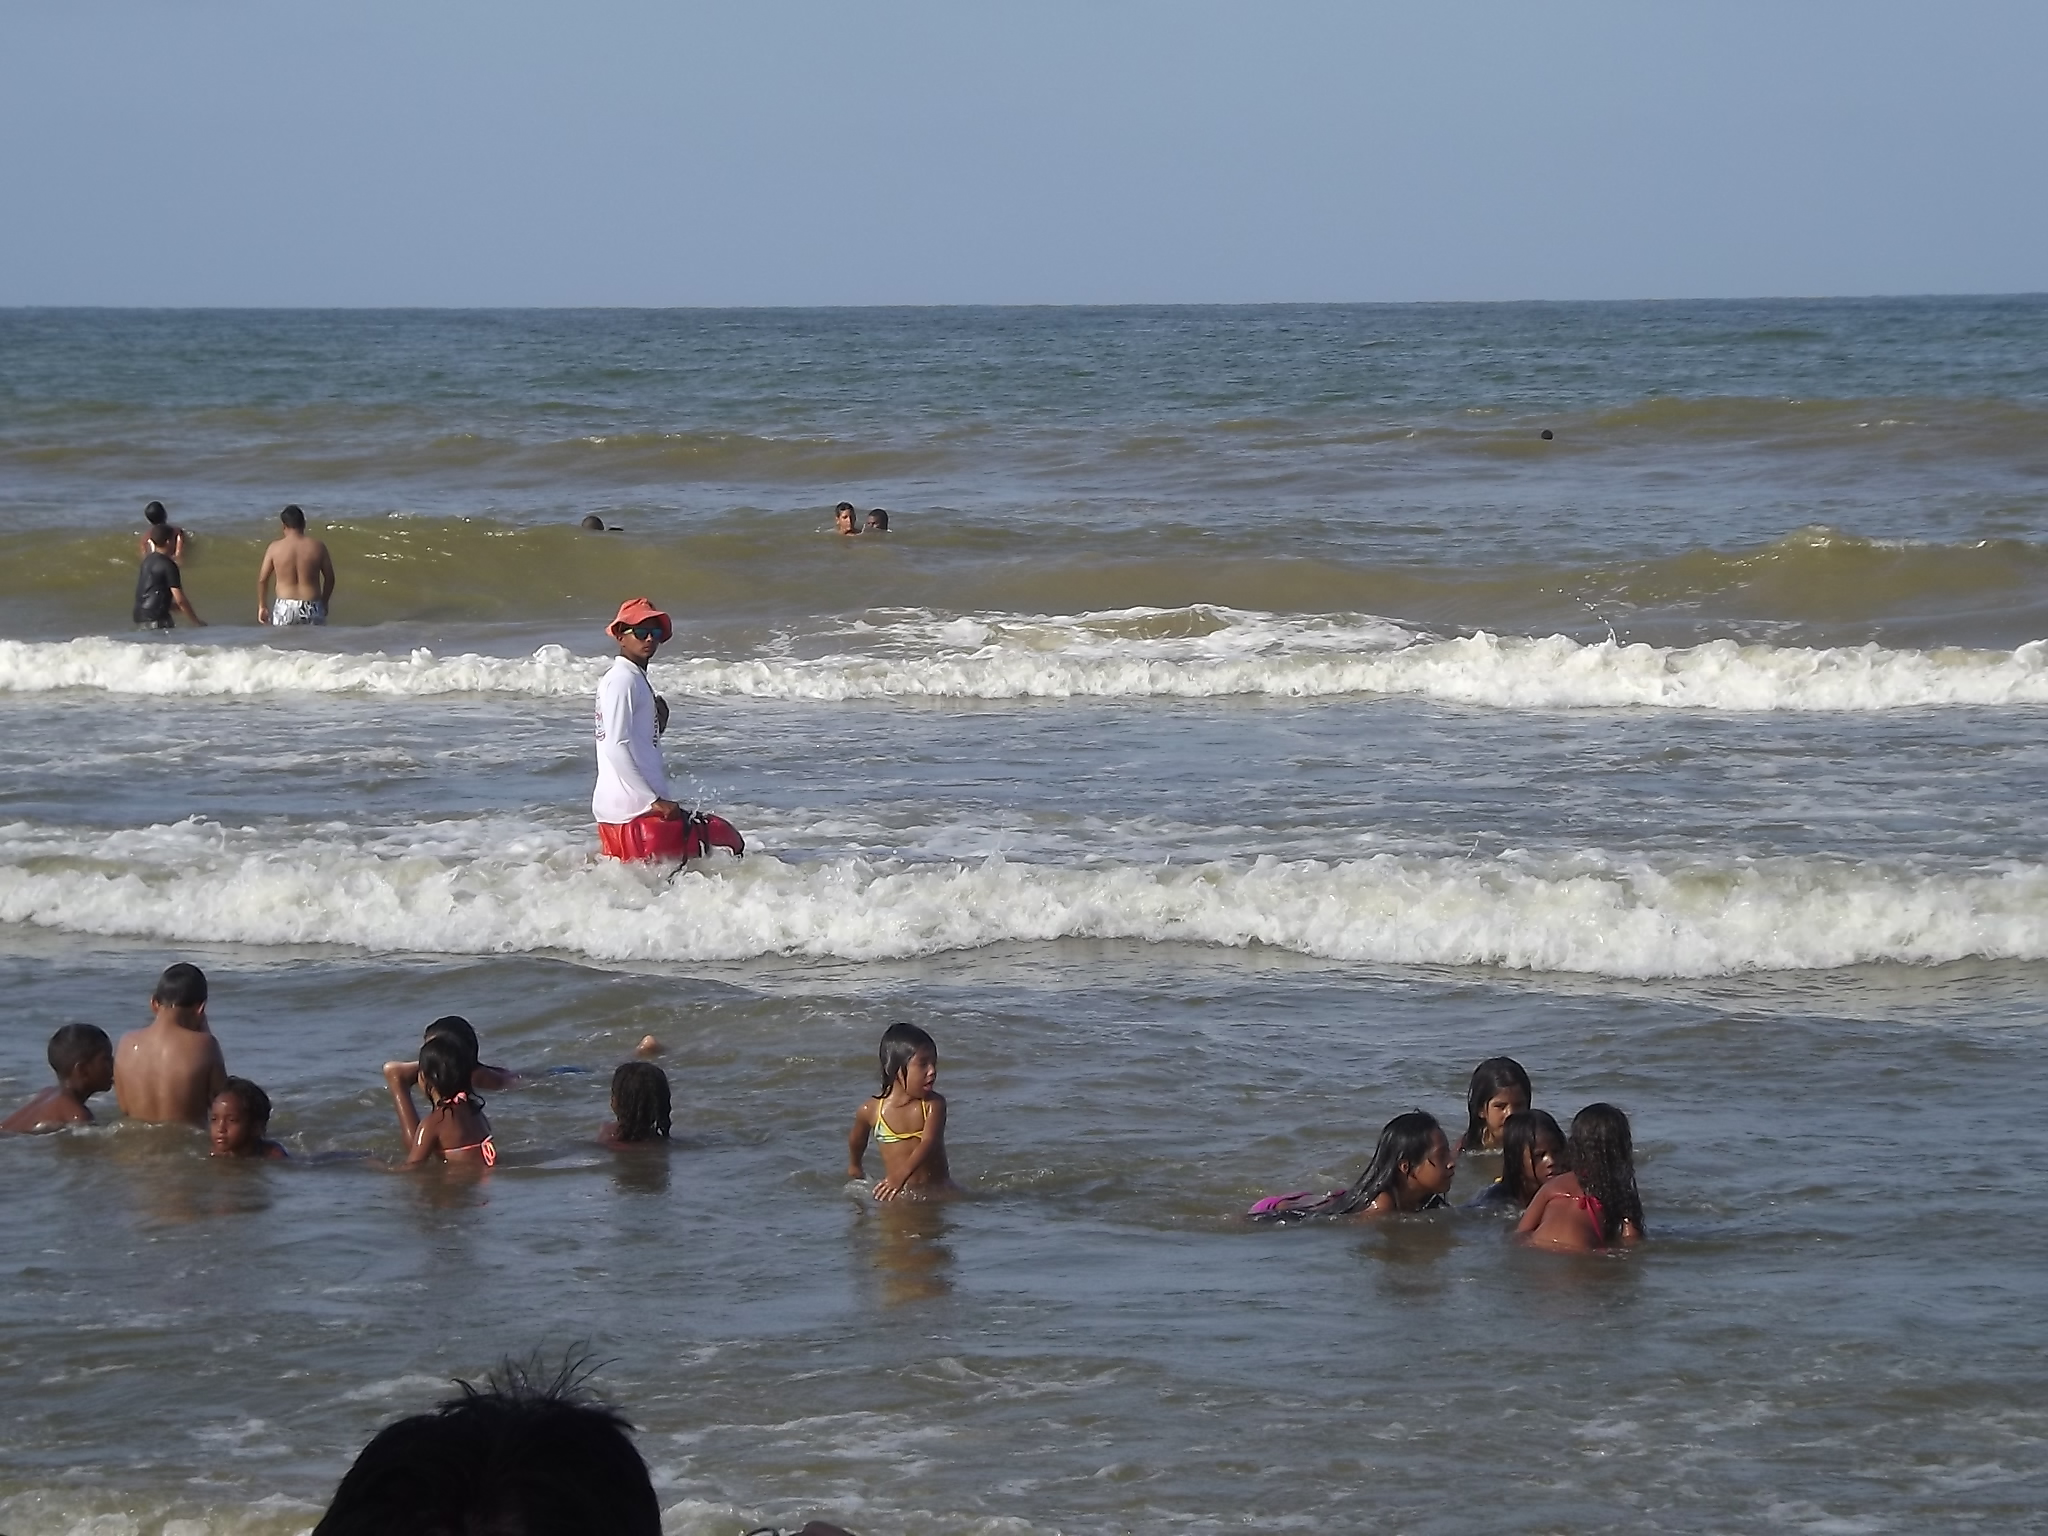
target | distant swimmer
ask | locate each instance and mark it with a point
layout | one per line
(878, 522)
(636, 819)
(154, 517)
(159, 586)
(303, 573)
(846, 520)
(592, 523)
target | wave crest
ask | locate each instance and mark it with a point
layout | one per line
(1133, 654)
(488, 888)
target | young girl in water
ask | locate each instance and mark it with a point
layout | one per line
(1532, 1150)
(454, 1127)
(1411, 1170)
(906, 1120)
(237, 1119)
(1594, 1204)
(640, 1107)
(1499, 1088)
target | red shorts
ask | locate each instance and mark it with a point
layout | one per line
(653, 836)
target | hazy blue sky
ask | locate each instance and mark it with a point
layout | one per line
(257, 152)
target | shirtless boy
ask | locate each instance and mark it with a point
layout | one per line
(83, 1058)
(171, 1070)
(302, 571)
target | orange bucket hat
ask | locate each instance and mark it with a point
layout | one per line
(638, 610)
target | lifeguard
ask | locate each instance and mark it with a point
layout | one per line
(636, 819)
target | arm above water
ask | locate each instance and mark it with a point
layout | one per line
(263, 573)
(857, 1140)
(399, 1076)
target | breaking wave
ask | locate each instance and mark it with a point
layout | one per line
(1130, 654)
(480, 887)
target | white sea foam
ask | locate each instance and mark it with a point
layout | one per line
(1190, 653)
(488, 888)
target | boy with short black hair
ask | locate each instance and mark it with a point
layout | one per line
(159, 587)
(83, 1058)
(172, 1069)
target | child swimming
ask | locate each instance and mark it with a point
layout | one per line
(83, 1058)
(640, 1107)
(454, 1127)
(1594, 1203)
(906, 1119)
(1532, 1151)
(1499, 1088)
(1411, 1170)
(237, 1119)
(459, 1029)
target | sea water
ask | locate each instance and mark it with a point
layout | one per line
(1250, 722)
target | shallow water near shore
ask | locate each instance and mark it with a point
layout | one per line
(1250, 725)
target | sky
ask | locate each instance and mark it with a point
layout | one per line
(660, 152)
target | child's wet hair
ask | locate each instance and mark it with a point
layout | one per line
(1520, 1139)
(1603, 1154)
(640, 1102)
(900, 1045)
(254, 1101)
(520, 1454)
(74, 1045)
(453, 1026)
(445, 1066)
(1488, 1078)
(181, 986)
(1406, 1141)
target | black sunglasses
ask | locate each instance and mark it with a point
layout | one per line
(648, 631)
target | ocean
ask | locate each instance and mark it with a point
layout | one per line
(1250, 722)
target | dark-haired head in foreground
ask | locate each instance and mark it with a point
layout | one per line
(511, 1458)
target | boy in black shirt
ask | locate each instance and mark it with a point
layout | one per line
(158, 587)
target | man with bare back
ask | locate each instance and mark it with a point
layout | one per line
(171, 1069)
(302, 571)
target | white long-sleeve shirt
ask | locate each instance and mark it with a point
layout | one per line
(630, 777)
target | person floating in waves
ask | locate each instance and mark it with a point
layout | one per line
(1499, 1088)
(484, 1076)
(1411, 1170)
(239, 1120)
(171, 1069)
(640, 1108)
(83, 1058)
(1532, 1152)
(154, 517)
(906, 1120)
(1594, 1203)
(454, 1128)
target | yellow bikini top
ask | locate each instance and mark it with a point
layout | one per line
(884, 1136)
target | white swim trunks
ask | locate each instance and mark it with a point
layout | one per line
(297, 610)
